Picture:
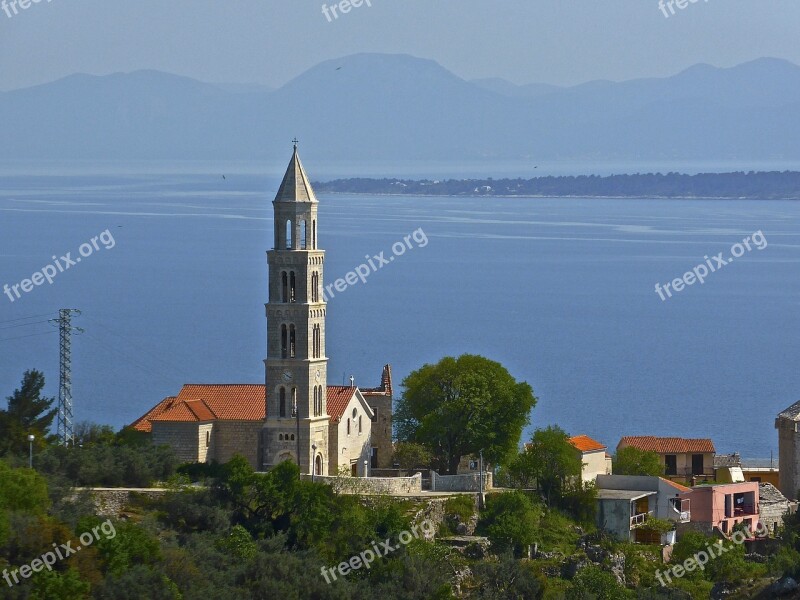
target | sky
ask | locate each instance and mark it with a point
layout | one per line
(272, 41)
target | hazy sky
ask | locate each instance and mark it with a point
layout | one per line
(271, 41)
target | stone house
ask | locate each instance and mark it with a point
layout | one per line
(788, 425)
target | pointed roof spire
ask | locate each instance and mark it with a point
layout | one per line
(295, 186)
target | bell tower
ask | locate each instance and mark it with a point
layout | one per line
(296, 365)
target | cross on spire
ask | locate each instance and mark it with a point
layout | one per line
(295, 141)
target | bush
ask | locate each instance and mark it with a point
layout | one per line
(510, 522)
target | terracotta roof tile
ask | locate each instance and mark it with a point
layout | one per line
(677, 486)
(668, 445)
(586, 444)
(339, 397)
(143, 422)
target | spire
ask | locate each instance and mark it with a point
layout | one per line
(295, 186)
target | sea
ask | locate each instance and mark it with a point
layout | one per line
(172, 283)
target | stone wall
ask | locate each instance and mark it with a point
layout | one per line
(183, 438)
(112, 502)
(468, 482)
(236, 437)
(393, 486)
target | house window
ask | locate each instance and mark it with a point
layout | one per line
(208, 439)
(360, 428)
(671, 464)
(697, 464)
(374, 458)
(348, 426)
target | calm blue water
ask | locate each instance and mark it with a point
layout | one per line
(559, 291)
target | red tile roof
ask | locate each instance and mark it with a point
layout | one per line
(339, 397)
(668, 445)
(677, 486)
(208, 403)
(586, 444)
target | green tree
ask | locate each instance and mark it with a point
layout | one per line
(23, 490)
(408, 456)
(632, 461)
(593, 582)
(28, 412)
(549, 460)
(461, 406)
(510, 521)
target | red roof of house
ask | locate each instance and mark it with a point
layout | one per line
(668, 445)
(586, 444)
(208, 403)
(677, 486)
(339, 397)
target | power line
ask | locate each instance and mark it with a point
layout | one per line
(24, 324)
(22, 337)
(50, 314)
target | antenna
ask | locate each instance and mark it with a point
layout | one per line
(66, 435)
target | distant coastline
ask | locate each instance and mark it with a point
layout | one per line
(767, 185)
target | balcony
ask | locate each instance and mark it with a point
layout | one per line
(639, 519)
(680, 510)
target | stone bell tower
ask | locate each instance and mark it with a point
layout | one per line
(296, 365)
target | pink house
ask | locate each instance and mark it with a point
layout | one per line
(724, 506)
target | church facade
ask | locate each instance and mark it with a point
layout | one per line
(295, 415)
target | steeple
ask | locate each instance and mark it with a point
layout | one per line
(295, 186)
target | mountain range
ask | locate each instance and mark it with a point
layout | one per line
(399, 107)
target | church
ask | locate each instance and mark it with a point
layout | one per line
(295, 415)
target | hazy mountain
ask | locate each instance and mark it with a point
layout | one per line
(375, 106)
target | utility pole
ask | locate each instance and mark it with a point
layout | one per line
(66, 436)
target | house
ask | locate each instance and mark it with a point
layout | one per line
(351, 420)
(720, 507)
(732, 468)
(594, 457)
(772, 507)
(682, 458)
(667, 503)
(622, 512)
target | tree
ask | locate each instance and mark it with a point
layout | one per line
(632, 461)
(549, 460)
(409, 455)
(510, 521)
(461, 406)
(28, 412)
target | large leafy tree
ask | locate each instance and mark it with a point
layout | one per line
(633, 461)
(550, 461)
(28, 412)
(461, 406)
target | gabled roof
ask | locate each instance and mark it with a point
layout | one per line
(668, 445)
(792, 413)
(339, 397)
(197, 403)
(295, 186)
(586, 444)
(677, 486)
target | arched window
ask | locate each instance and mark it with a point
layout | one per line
(208, 439)
(315, 287)
(284, 342)
(360, 429)
(292, 437)
(284, 287)
(303, 233)
(292, 288)
(348, 426)
(282, 408)
(280, 437)
(294, 404)
(292, 341)
(355, 414)
(315, 402)
(289, 234)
